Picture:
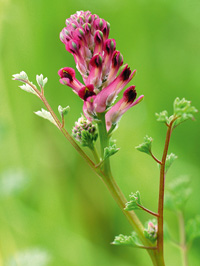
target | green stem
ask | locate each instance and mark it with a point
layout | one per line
(104, 142)
(183, 245)
(117, 194)
(95, 154)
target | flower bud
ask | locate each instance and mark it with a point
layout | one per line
(151, 231)
(85, 132)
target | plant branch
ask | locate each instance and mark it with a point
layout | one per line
(147, 210)
(161, 194)
(158, 161)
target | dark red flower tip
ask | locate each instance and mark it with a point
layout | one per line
(73, 46)
(67, 72)
(96, 60)
(126, 72)
(86, 92)
(117, 59)
(109, 46)
(130, 94)
(98, 37)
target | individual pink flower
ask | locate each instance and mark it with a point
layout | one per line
(67, 75)
(127, 101)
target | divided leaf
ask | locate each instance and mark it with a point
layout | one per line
(63, 111)
(111, 150)
(177, 193)
(183, 110)
(124, 240)
(134, 200)
(22, 76)
(46, 115)
(41, 81)
(193, 228)
(145, 146)
(162, 116)
(26, 87)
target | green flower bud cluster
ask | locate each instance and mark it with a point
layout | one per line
(85, 132)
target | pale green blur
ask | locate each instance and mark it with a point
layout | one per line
(53, 209)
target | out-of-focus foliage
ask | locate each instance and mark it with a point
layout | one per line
(178, 193)
(60, 205)
(193, 228)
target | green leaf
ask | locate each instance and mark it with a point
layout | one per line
(27, 88)
(41, 81)
(169, 160)
(193, 228)
(134, 200)
(150, 232)
(162, 116)
(46, 115)
(177, 193)
(124, 240)
(22, 76)
(183, 110)
(63, 111)
(146, 145)
(111, 150)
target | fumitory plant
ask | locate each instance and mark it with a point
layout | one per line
(104, 74)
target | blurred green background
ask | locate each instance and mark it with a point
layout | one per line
(53, 209)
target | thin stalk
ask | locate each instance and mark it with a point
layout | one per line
(158, 161)
(147, 210)
(161, 196)
(183, 244)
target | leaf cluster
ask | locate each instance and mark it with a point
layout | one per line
(124, 240)
(146, 145)
(134, 201)
(111, 149)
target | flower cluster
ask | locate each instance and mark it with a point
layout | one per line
(86, 38)
(85, 132)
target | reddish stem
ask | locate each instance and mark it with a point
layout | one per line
(161, 193)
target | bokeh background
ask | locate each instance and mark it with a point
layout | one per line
(53, 209)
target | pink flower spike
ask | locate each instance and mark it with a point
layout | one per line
(67, 75)
(127, 101)
(108, 94)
